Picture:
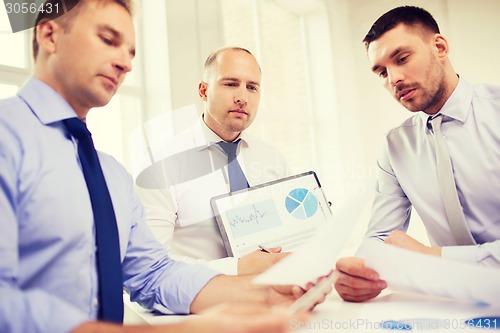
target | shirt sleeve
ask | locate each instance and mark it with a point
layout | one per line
(160, 213)
(227, 266)
(487, 254)
(31, 310)
(155, 280)
(161, 216)
(391, 208)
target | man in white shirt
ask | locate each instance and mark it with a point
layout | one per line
(408, 53)
(178, 210)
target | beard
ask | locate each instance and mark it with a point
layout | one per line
(434, 100)
(434, 96)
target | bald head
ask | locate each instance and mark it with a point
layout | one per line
(215, 58)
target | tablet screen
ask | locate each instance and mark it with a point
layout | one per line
(284, 213)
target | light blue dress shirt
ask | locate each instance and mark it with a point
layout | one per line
(48, 280)
(407, 174)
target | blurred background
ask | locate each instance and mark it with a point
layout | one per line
(321, 105)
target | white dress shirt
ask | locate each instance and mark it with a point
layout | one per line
(180, 187)
(407, 174)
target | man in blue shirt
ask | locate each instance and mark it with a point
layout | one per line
(48, 275)
(410, 55)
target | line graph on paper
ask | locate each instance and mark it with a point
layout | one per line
(253, 218)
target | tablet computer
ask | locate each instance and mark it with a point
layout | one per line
(284, 212)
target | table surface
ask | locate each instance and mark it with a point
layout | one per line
(420, 312)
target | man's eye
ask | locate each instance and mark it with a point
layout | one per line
(106, 40)
(402, 59)
(254, 88)
(382, 74)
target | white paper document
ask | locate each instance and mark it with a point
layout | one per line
(318, 256)
(409, 271)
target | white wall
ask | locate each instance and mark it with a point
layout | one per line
(474, 31)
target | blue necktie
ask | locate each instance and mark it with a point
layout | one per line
(237, 179)
(108, 246)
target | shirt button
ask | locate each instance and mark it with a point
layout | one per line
(96, 302)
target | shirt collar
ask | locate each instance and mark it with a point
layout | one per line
(457, 106)
(47, 105)
(204, 137)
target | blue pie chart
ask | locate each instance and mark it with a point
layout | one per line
(301, 203)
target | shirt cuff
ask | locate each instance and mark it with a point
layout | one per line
(460, 253)
(182, 286)
(227, 266)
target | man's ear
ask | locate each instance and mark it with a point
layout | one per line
(47, 33)
(202, 90)
(441, 45)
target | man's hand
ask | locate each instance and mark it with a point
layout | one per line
(402, 240)
(224, 288)
(243, 318)
(356, 283)
(258, 261)
(287, 295)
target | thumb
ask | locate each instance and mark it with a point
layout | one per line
(276, 249)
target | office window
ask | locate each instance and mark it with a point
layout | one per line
(7, 90)
(14, 57)
(112, 125)
(274, 34)
(13, 45)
